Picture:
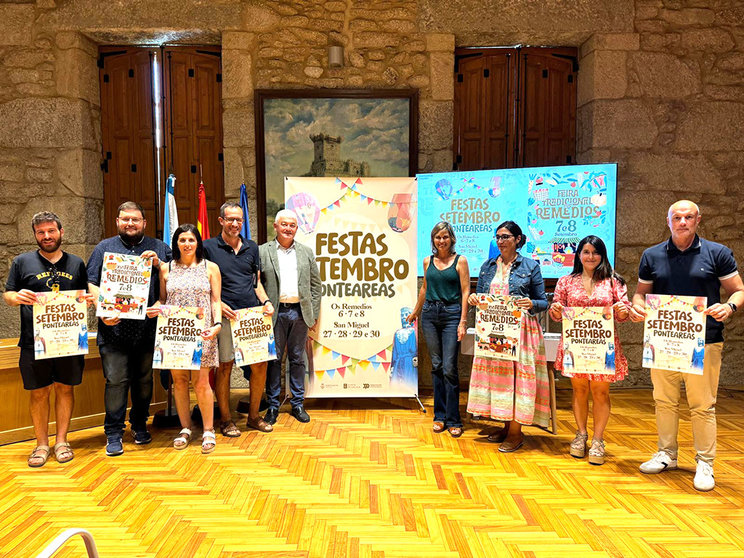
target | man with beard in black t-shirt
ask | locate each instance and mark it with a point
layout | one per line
(43, 270)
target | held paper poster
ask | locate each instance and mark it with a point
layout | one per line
(125, 287)
(178, 341)
(253, 336)
(588, 340)
(674, 333)
(497, 323)
(363, 234)
(60, 324)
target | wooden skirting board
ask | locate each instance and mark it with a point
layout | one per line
(15, 420)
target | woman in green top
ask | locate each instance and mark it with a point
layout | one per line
(442, 303)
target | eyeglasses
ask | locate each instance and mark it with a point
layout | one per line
(133, 220)
(237, 220)
(503, 236)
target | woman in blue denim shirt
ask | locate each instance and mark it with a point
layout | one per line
(518, 392)
(442, 303)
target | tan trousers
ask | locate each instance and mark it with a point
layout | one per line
(701, 398)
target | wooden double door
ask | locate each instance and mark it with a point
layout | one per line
(161, 113)
(515, 107)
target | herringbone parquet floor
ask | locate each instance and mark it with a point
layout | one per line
(369, 478)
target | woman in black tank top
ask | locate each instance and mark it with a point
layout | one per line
(442, 304)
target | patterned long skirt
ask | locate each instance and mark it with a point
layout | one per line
(505, 390)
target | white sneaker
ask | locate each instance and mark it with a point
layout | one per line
(704, 479)
(661, 461)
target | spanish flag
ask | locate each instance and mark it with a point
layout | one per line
(203, 222)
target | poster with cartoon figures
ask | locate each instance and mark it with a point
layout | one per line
(588, 340)
(178, 341)
(674, 333)
(253, 336)
(497, 322)
(363, 233)
(555, 207)
(60, 324)
(125, 286)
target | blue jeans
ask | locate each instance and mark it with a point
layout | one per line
(125, 369)
(290, 333)
(439, 323)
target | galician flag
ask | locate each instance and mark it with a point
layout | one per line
(170, 215)
(203, 222)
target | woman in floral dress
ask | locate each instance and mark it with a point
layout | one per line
(592, 283)
(517, 393)
(190, 280)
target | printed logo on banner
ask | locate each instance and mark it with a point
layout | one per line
(363, 233)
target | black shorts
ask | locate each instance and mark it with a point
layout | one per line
(44, 372)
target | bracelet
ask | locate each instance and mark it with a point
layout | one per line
(217, 324)
(265, 302)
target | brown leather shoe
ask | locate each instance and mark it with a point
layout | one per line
(509, 446)
(498, 436)
(259, 424)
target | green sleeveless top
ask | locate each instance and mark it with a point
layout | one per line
(444, 285)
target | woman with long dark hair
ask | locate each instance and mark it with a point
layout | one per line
(517, 393)
(190, 280)
(592, 282)
(442, 303)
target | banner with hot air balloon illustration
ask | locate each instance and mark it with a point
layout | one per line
(588, 340)
(497, 323)
(555, 207)
(674, 333)
(363, 232)
(178, 341)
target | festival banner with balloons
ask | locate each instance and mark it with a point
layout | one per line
(363, 233)
(555, 207)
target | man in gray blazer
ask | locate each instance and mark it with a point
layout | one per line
(291, 279)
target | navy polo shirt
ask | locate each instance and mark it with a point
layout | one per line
(697, 271)
(239, 271)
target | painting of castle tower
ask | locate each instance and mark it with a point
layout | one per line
(334, 134)
(327, 159)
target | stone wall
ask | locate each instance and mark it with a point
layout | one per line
(661, 92)
(665, 102)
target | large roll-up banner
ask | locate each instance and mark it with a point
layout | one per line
(363, 233)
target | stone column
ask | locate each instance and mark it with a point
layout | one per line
(237, 117)
(436, 109)
(49, 141)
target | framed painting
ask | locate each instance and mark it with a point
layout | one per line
(330, 132)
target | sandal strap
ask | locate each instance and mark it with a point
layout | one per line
(184, 436)
(208, 435)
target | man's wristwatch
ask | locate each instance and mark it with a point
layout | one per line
(733, 306)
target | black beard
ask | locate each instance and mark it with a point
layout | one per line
(51, 250)
(132, 240)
